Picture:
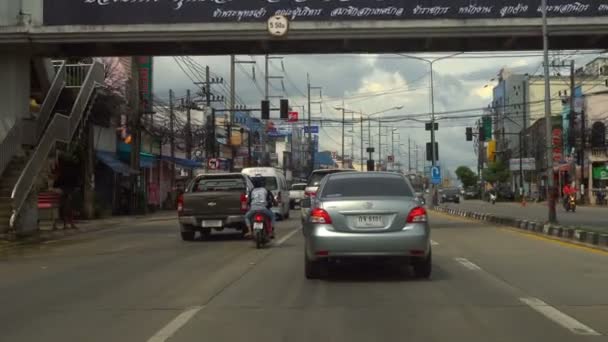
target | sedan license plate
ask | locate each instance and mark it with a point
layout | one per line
(369, 221)
(258, 226)
(212, 224)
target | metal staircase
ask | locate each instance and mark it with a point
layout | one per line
(20, 172)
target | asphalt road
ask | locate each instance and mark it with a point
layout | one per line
(141, 283)
(591, 217)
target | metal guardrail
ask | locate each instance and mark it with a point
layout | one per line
(61, 128)
(10, 145)
(76, 74)
(51, 99)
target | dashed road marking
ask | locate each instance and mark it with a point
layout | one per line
(172, 327)
(434, 243)
(559, 317)
(466, 263)
(286, 237)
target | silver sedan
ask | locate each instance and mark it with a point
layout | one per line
(371, 214)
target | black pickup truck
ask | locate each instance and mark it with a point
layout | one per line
(213, 202)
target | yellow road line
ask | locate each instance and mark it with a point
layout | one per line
(546, 238)
(557, 240)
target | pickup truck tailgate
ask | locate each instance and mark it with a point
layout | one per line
(213, 204)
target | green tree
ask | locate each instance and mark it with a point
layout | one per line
(466, 176)
(496, 172)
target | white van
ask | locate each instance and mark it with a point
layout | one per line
(277, 184)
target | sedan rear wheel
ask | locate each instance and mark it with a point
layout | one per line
(423, 267)
(313, 269)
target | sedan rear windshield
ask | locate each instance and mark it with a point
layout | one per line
(366, 187)
(317, 177)
(297, 187)
(219, 183)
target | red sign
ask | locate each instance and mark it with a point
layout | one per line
(293, 117)
(557, 144)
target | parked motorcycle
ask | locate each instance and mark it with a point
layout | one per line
(262, 229)
(570, 203)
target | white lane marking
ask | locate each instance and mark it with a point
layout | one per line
(466, 263)
(559, 317)
(286, 237)
(172, 327)
(434, 243)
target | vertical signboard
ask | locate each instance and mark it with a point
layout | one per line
(144, 65)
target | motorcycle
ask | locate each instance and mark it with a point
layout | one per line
(493, 198)
(262, 229)
(570, 203)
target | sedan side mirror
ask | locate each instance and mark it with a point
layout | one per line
(305, 203)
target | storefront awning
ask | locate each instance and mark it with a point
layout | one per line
(185, 163)
(113, 163)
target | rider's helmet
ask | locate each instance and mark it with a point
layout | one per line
(258, 182)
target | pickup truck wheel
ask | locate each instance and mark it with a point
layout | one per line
(187, 236)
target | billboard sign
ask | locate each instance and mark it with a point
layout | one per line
(115, 12)
(144, 65)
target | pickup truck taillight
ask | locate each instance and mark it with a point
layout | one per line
(180, 204)
(244, 203)
(310, 193)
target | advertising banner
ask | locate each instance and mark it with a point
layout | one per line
(125, 12)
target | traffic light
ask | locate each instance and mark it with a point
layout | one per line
(487, 127)
(284, 109)
(482, 134)
(429, 152)
(469, 134)
(265, 110)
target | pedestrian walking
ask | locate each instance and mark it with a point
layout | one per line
(66, 181)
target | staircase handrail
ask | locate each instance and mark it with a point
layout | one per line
(60, 128)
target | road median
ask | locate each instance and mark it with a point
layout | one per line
(576, 235)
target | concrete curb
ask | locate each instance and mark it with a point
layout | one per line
(572, 235)
(84, 227)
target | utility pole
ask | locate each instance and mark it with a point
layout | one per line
(369, 138)
(188, 126)
(172, 138)
(409, 154)
(343, 124)
(310, 145)
(416, 149)
(362, 142)
(393, 145)
(380, 144)
(525, 127)
(136, 113)
(552, 214)
(266, 79)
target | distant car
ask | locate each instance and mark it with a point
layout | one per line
(313, 185)
(296, 194)
(366, 215)
(450, 195)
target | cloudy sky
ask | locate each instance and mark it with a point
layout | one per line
(369, 83)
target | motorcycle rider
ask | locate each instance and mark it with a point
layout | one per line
(568, 191)
(259, 200)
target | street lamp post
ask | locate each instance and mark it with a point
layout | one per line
(548, 123)
(432, 94)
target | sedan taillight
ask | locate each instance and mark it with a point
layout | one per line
(320, 216)
(310, 193)
(417, 215)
